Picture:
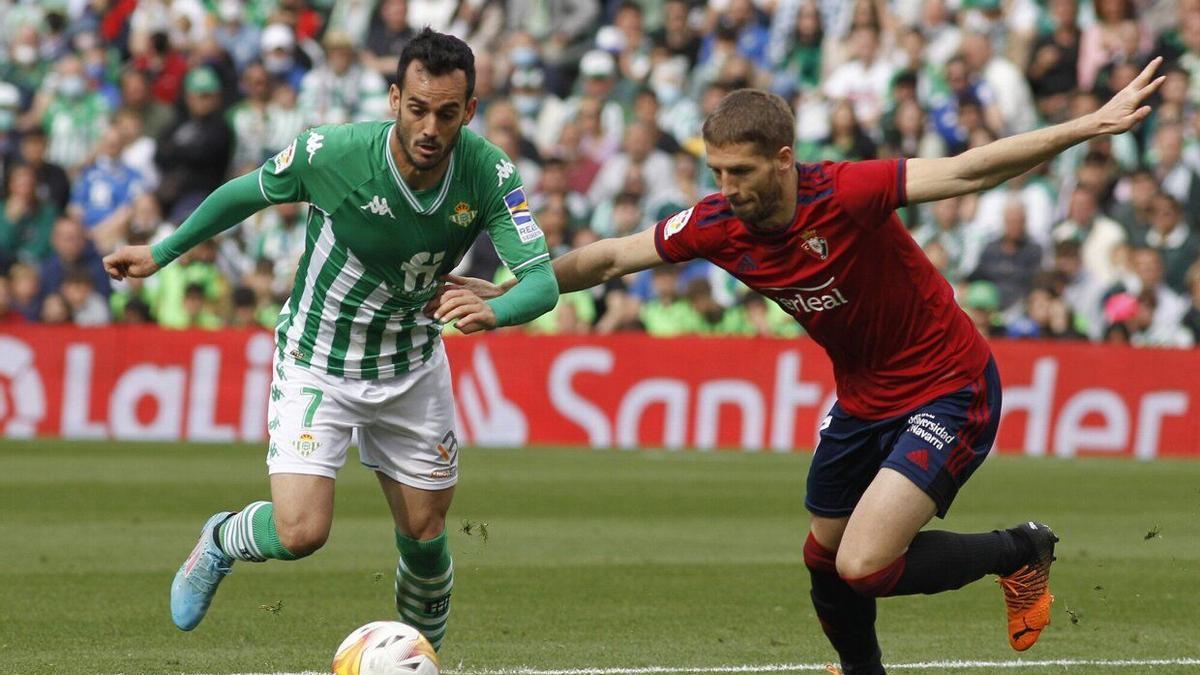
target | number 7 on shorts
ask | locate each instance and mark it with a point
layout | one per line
(315, 401)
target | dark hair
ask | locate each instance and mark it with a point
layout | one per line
(751, 116)
(244, 297)
(441, 54)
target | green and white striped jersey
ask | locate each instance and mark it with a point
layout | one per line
(375, 247)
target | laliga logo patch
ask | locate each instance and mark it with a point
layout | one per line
(815, 244)
(284, 159)
(676, 222)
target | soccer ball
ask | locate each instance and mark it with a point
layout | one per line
(386, 648)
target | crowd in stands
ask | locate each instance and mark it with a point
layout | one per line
(117, 117)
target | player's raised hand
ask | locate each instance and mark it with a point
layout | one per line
(130, 261)
(466, 310)
(1127, 107)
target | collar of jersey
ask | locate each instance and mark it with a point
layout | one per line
(406, 191)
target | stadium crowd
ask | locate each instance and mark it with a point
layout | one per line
(117, 117)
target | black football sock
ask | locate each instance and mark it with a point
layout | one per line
(939, 561)
(847, 618)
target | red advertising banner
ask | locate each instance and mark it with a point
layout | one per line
(613, 391)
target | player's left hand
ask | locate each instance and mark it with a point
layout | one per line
(467, 311)
(1126, 108)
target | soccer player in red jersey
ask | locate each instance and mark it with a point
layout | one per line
(918, 392)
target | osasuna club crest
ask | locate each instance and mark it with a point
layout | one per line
(815, 244)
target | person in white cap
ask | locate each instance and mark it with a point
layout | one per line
(278, 49)
(597, 79)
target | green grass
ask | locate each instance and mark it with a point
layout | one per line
(608, 559)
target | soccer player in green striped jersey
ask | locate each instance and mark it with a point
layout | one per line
(394, 207)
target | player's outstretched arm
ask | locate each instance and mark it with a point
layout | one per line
(463, 298)
(987, 166)
(606, 259)
(227, 206)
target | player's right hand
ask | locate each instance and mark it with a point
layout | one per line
(484, 290)
(130, 261)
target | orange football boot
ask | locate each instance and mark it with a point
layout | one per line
(1027, 591)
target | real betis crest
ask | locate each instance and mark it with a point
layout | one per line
(463, 214)
(815, 244)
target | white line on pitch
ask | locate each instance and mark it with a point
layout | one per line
(811, 667)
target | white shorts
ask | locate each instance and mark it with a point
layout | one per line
(405, 423)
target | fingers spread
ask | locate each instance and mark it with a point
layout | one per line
(1147, 72)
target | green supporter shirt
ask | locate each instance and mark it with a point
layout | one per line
(375, 248)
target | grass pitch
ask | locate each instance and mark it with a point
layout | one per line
(590, 559)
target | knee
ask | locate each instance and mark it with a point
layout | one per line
(869, 576)
(302, 538)
(854, 565)
(425, 525)
(818, 557)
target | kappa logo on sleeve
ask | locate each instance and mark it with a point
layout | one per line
(504, 169)
(676, 222)
(284, 158)
(518, 208)
(315, 142)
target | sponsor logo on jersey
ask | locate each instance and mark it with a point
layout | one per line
(306, 444)
(518, 208)
(800, 299)
(463, 215)
(815, 245)
(315, 143)
(676, 222)
(504, 170)
(420, 271)
(379, 206)
(283, 159)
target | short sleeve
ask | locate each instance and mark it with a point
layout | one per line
(515, 233)
(282, 178)
(676, 237)
(870, 191)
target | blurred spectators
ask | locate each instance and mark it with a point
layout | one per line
(1169, 234)
(86, 306)
(194, 155)
(102, 198)
(1010, 261)
(1158, 321)
(134, 112)
(25, 220)
(53, 184)
(341, 90)
(72, 250)
(72, 116)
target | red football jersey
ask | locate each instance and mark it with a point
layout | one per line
(850, 273)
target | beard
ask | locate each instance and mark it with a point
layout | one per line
(760, 210)
(422, 164)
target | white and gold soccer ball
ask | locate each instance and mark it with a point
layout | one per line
(386, 648)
